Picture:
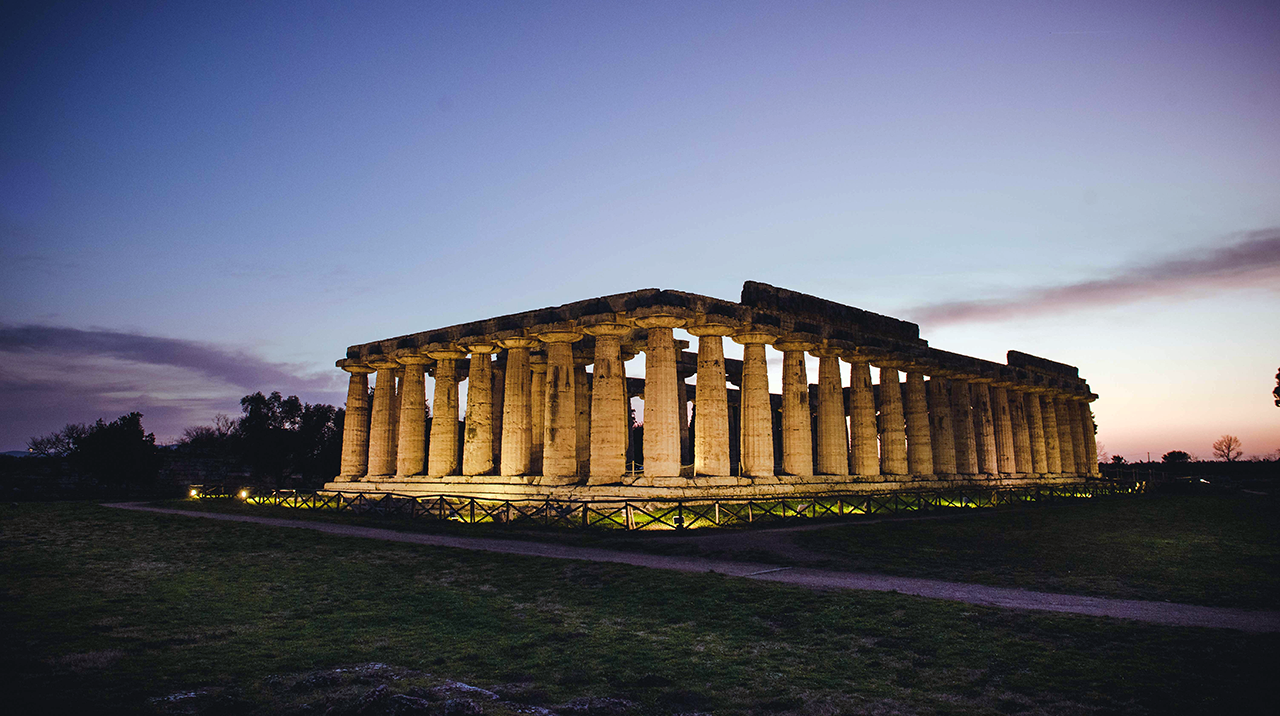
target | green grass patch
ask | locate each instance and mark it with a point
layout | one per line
(106, 609)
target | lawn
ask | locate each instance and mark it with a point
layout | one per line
(107, 609)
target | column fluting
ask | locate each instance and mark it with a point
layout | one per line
(1036, 432)
(756, 421)
(833, 432)
(893, 434)
(1003, 429)
(962, 422)
(919, 443)
(382, 429)
(1066, 446)
(942, 433)
(661, 420)
(560, 446)
(1022, 462)
(711, 432)
(864, 446)
(411, 450)
(477, 435)
(1052, 438)
(797, 435)
(355, 426)
(442, 458)
(517, 418)
(609, 411)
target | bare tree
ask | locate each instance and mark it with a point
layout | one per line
(1276, 391)
(1227, 448)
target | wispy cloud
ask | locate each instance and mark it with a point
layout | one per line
(50, 376)
(1253, 259)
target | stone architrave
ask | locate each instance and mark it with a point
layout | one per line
(1036, 433)
(609, 409)
(1052, 438)
(411, 451)
(1022, 463)
(919, 443)
(382, 428)
(833, 432)
(864, 446)
(893, 434)
(962, 423)
(355, 429)
(711, 436)
(661, 419)
(797, 436)
(1077, 435)
(517, 419)
(1065, 445)
(477, 434)
(984, 430)
(942, 434)
(756, 440)
(442, 458)
(1003, 429)
(537, 411)
(1090, 436)
(560, 446)
(582, 405)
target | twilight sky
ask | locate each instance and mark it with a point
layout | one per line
(201, 200)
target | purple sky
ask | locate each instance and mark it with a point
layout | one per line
(200, 200)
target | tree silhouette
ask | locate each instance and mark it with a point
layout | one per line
(1175, 456)
(1276, 391)
(1227, 448)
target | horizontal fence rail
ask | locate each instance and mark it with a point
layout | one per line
(669, 514)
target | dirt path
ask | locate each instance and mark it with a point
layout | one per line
(1154, 612)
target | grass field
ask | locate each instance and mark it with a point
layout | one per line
(106, 609)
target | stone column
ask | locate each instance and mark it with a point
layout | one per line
(1065, 444)
(919, 445)
(411, 450)
(661, 419)
(1004, 429)
(984, 430)
(756, 441)
(498, 389)
(1022, 463)
(864, 448)
(833, 433)
(582, 405)
(537, 411)
(893, 435)
(942, 433)
(442, 459)
(797, 438)
(560, 444)
(517, 419)
(382, 429)
(355, 427)
(711, 436)
(477, 436)
(962, 422)
(1036, 433)
(609, 410)
(1052, 442)
(1077, 435)
(1090, 436)
(682, 413)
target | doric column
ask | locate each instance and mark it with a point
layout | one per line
(382, 429)
(1003, 429)
(893, 435)
(1052, 438)
(477, 436)
(711, 434)
(517, 420)
(962, 422)
(442, 458)
(537, 411)
(864, 446)
(919, 444)
(942, 436)
(682, 411)
(560, 444)
(797, 436)
(1077, 435)
(1036, 432)
(1090, 435)
(411, 450)
(833, 432)
(355, 426)
(582, 406)
(1022, 462)
(984, 430)
(756, 440)
(498, 392)
(1065, 444)
(609, 411)
(661, 420)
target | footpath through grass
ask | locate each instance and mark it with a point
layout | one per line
(105, 609)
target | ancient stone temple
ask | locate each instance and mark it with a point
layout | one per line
(549, 405)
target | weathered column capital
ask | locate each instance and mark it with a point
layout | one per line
(560, 336)
(384, 363)
(710, 327)
(482, 347)
(616, 330)
(787, 345)
(659, 320)
(446, 353)
(825, 352)
(518, 342)
(755, 335)
(407, 358)
(354, 367)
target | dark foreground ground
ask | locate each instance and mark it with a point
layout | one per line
(107, 610)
